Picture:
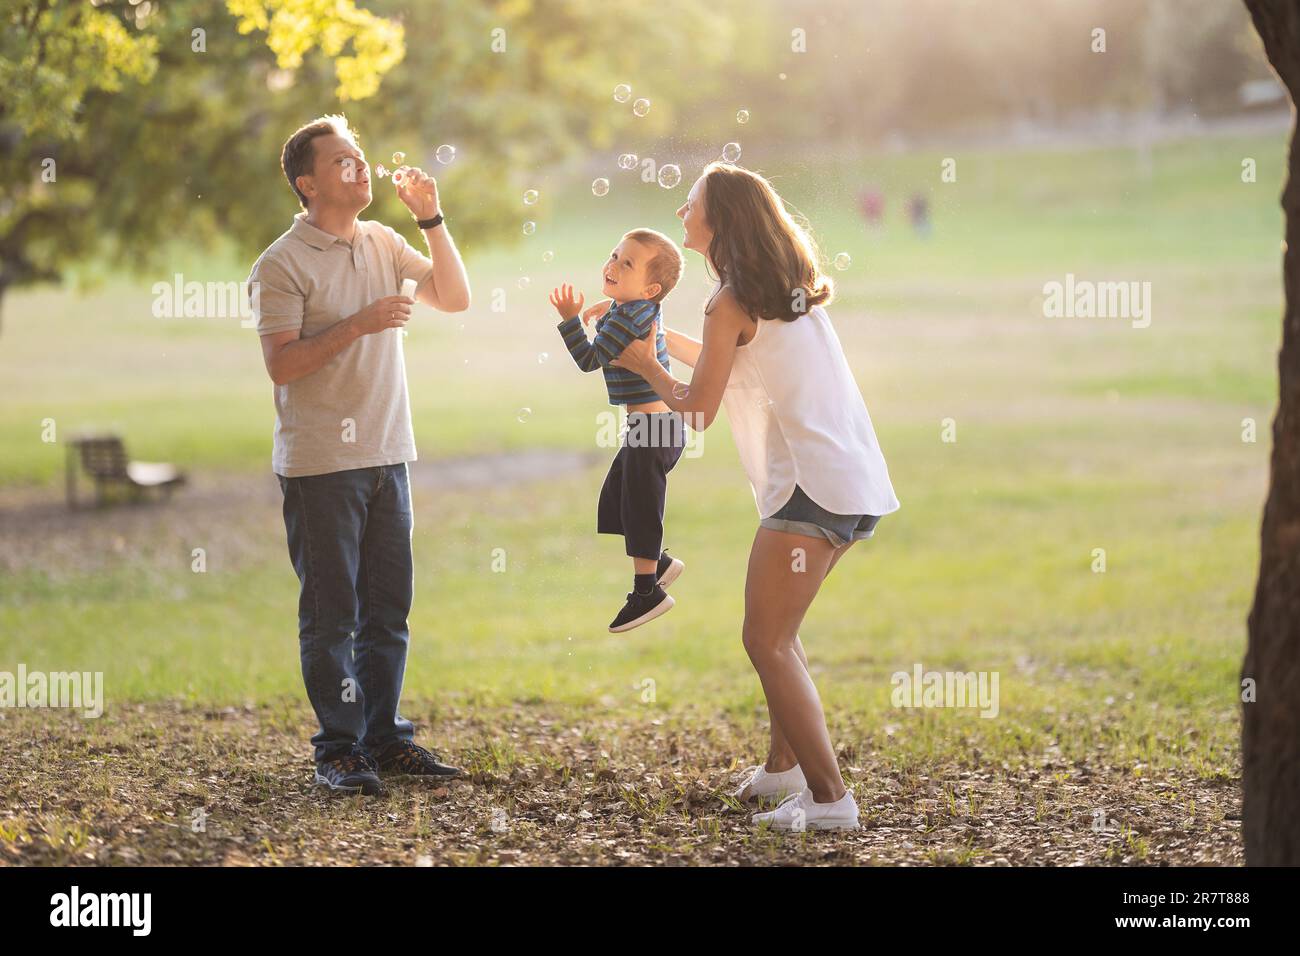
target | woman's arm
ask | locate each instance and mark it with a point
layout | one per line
(699, 399)
(682, 347)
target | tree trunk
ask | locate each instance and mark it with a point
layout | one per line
(1270, 738)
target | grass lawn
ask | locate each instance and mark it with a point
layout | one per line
(1072, 435)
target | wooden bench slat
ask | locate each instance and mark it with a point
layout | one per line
(104, 458)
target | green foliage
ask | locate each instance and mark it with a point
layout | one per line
(295, 27)
(158, 139)
(54, 53)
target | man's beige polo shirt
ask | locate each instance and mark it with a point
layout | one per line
(353, 412)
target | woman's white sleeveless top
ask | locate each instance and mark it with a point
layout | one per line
(798, 418)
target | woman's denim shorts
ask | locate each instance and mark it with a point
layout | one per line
(802, 515)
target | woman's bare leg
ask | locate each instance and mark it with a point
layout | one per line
(779, 755)
(776, 599)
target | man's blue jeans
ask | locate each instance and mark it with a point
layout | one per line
(350, 542)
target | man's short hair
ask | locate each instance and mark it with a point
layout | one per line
(298, 155)
(665, 265)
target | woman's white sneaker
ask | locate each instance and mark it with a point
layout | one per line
(801, 812)
(761, 784)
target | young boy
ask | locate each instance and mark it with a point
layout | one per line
(639, 273)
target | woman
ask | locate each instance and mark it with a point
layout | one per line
(770, 355)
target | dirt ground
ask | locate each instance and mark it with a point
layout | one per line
(168, 784)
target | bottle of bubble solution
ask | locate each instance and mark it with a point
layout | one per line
(408, 290)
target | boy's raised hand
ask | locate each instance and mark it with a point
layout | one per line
(600, 308)
(564, 302)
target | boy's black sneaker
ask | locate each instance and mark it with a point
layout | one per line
(669, 569)
(641, 608)
(353, 773)
(406, 759)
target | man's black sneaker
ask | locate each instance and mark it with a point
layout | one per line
(669, 569)
(641, 608)
(406, 759)
(353, 773)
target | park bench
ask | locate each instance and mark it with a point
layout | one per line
(104, 459)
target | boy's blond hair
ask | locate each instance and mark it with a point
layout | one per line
(665, 265)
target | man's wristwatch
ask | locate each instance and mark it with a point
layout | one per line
(429, 223)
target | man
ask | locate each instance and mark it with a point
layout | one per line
(331, 323)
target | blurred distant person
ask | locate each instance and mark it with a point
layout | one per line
(918, 211)
(871, 203)
(330, 321)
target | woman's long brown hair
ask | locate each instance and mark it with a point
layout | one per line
(758, 247)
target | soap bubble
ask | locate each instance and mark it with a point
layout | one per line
(399, 176)
(524, 282)
(530, 227)
(548, 255)
(599, 186)
(530, 197)
(542, 357)
(641, 107)
(399, 158)
(669, 175)
(731, 152)
(445, 154)
(742, 117)
(523, 414)
(627, 161)
(843, 260)
(381, 170)
(681, 391)
(622, 93)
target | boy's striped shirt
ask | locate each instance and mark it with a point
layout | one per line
(615, 330)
